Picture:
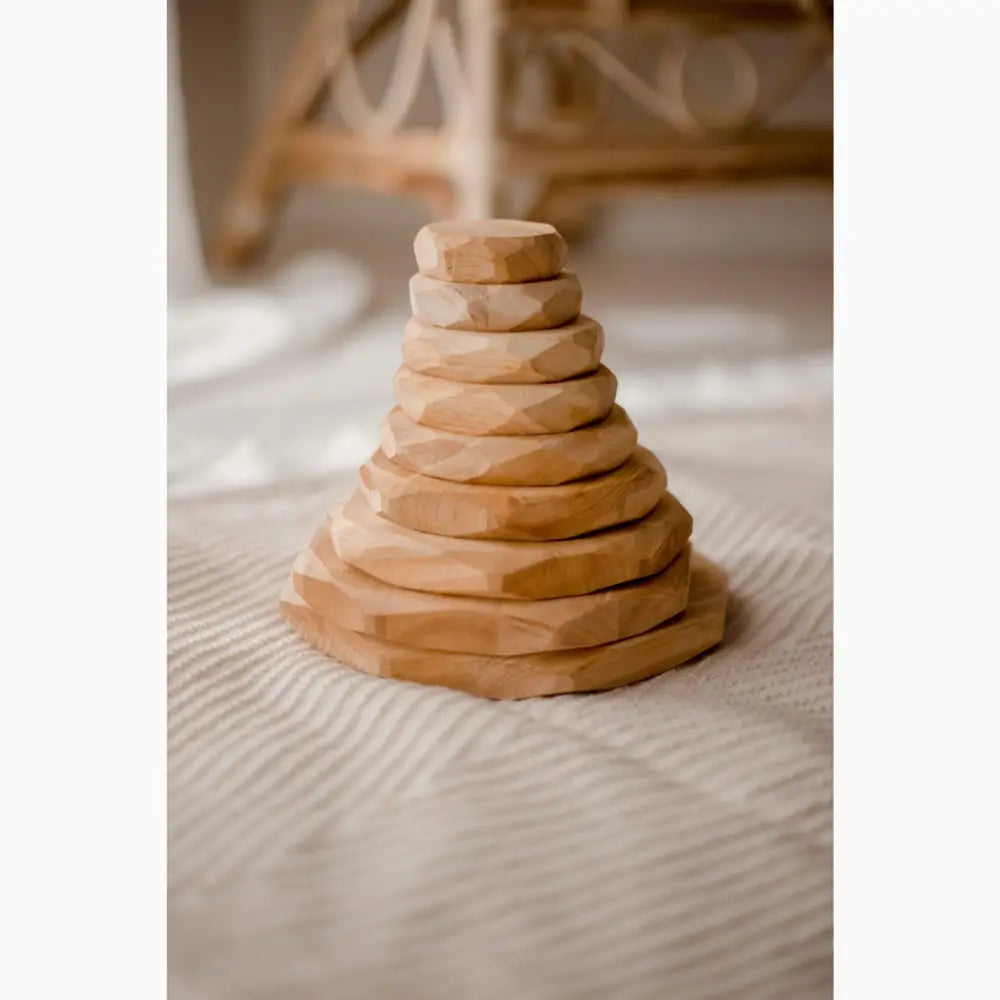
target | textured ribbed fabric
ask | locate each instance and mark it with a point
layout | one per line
(338, 835)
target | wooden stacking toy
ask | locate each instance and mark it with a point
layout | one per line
(509, 538)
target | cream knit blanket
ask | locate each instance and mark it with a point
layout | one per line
(334, 835)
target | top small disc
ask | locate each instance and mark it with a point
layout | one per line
(489, 251)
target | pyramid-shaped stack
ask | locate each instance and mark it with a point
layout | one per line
(509, 538)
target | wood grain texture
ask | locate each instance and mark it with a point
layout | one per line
(516, 570)
(532, 305)
(509, 538)
(356, 600)
(524, 357)
(472, 408)
(489, 251)
(595, 668)
(509, 460)
(519, 513)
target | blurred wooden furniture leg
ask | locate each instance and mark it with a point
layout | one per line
(476, 146)
(248, 214)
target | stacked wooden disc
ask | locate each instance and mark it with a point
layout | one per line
(509, 538)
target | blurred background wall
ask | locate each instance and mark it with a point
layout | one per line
(232, 54)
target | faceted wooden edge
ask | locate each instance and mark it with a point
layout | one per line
(508, 358)
(355, 600)
(597, 668)
(516, 513)
(473, 408)
(516, 570)
(531, 305)
(509, 460)
(489, 250)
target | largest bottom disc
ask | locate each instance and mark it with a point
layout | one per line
(590, 669)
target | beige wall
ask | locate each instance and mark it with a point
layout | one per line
(232, 56)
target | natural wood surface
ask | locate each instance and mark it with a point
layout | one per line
(472, 408)
(517, 570)
(532, 305)
(356, 600)
(521, 513)
(509, 460)
(594, 668)
(509, 538)
(491, 251)
(507, 358)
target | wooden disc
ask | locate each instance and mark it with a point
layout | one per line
(472, 408)
(520, 513)
(489, 250)
(472, 356)
(532, 305)
(514, 460)
(353, 599)
(596, 668)
(516, 570)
